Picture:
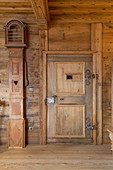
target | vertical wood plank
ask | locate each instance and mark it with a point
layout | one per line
(94, 117)
(44, 97)
(42, 60)
(46, 40)
(8, 133)
(96, 44)
(112, 90)
(40, 91)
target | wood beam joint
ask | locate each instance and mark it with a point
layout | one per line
(41, 11)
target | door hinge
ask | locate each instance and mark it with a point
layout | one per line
(93, 76)
(91, 127)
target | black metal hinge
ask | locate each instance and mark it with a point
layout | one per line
(91, 127)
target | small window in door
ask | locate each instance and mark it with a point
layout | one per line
(69, 77)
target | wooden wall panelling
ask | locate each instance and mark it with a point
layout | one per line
(68, 36)
(14, 7)
(86, 18)
(110, 130)
(96, 44)
(42, 47)
(112, 93)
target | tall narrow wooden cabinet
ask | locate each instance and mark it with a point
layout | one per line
(15, 42)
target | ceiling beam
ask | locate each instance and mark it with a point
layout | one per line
(70, 11)
(80, 3)
(41, 11)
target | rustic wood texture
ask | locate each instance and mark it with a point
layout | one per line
(31, 100)
(69, 37)
(40, 8)
(67, 100)
(96, 44)
(74, 86)
(42, 87)
(41, 11)
(70, 121)
(15, 7)
(16, 133)
(63, 157)
(16, 122)
(94, 109)
(112, 92)
(111, 137)
(65, 24)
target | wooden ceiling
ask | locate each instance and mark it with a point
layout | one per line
(58, 7)
(70, 7)
(43, 8)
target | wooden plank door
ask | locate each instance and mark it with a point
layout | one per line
(69, 99)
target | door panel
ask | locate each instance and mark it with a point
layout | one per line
(70, 78)
(71, 112)
(70, 121)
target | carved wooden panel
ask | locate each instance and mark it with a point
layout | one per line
(16, 108)
(16, 133)
(70, 78)
(70, 121)
(15, 68)
(15, 85)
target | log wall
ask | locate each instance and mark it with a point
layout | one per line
(64, 34)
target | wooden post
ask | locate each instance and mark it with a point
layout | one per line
(96, 45)
(112, 92)
(94, 117)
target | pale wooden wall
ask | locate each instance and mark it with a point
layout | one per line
(64, 34)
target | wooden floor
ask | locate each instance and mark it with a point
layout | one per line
(56, 157)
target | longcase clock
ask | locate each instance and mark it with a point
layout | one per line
(15, 42)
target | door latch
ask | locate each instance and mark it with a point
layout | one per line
(50, 100)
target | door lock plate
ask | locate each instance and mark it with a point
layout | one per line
(50, 100)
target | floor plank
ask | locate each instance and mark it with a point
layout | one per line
(56, 157)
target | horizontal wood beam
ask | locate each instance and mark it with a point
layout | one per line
(69, 52)
(41, 11)
(15, 4)
(79, 3)
(16, 10)
(14, 1)
(72, 10)
(86, 18)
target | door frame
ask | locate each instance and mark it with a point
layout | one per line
(97, 92)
